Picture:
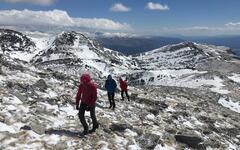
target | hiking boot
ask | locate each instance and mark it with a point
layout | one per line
(82, 134)
(110, 107)
(94, 129)
(85, 132)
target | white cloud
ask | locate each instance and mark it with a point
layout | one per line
(119, 7)
(57, 18)
(232, 24)
(196, 28)
(199, 30)
(36, 2)
(156, 6)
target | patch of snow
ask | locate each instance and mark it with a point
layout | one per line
(84, 52)
(234, 106)
(134, 147)
(184, 78)
(69, 110)
(5, 127)
(150, 117)
(188, 124)
(130, 133)
(170, 109)
(25, 56)
(165, 147)
(103, 145)
(235, 77)
(217, 83)
(13, 100)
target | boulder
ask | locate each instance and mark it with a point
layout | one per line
(38, 128)
(120, 127)
(191, 141)
(41, 84)
(26, 128)
(21, 97)
(148, 141)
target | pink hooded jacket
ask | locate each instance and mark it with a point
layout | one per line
(87, 91)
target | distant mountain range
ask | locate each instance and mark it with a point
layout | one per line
(137, 44)
(134, 45)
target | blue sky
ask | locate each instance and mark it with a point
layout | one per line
(185, 17)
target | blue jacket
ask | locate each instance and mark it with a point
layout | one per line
(110, 84)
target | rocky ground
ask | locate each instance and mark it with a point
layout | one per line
(183, 96)
(37, 111)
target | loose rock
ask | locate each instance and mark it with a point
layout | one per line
(191, 141)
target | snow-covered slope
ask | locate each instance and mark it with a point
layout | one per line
(74, 52)
(183, 96)
(37, 111)
(189, 65)
(182, 56)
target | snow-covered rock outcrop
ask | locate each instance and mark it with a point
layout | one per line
(16, 44)
(186, 55)
(74, 52)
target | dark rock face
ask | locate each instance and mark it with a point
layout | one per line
(119, 127)
(148, 141)
(66, 38)
(14, 41)
(191, 141)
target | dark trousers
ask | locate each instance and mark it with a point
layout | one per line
(126, 92)
(111, 99)
(82, 109)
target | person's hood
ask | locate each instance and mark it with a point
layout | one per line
(85, 78)
(109, 77)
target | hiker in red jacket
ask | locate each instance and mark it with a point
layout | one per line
(87, 94)
(123, 86)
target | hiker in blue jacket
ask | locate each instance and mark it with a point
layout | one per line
(111, 86)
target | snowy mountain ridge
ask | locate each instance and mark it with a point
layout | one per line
(74, 49)
(183, 55)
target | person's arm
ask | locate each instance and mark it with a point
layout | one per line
(106, 85)
(126, 84)
(115, 84)
(78, 96)
(95, 93)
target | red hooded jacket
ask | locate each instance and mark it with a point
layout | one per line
(123, 85)
(87, 91)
